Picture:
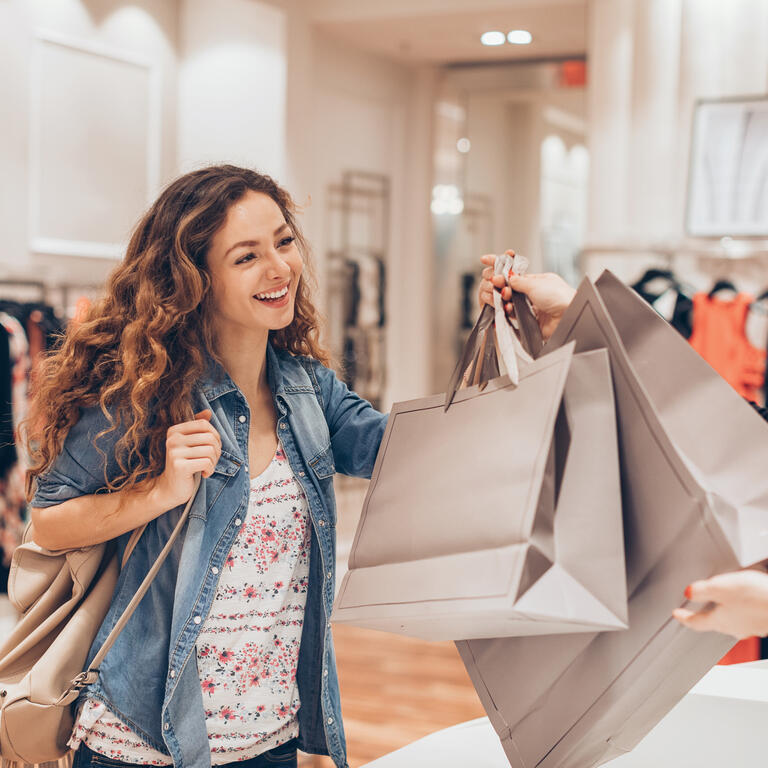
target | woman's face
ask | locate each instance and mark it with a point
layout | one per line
(255, 266)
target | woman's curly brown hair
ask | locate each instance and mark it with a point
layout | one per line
(145, 341)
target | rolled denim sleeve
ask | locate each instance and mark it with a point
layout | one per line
(86, 462)
(355, 426)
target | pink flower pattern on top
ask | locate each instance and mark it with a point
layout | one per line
(248, 646)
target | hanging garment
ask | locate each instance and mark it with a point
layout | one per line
(719, 337)
(759, 306)
(7, 444)
(666, 295)
(12, 498)
(20, 365)
(38, 317)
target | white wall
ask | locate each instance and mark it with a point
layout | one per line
(509, 112)
(142, 28)
(357, 116)
(369, 114)
(232, 85)
(650, 60)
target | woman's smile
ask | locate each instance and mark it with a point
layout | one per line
(276, 298)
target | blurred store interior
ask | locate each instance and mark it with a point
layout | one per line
(628, 134)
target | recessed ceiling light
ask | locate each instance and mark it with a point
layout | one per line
(492, 38)
(463, 145)
(520, 37)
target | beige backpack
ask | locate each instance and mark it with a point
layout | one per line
(62, 597)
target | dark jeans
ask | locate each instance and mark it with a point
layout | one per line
(283, 756)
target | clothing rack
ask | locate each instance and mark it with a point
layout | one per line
(45, 290)
(724, 249)
(700, 263)
(37, 284)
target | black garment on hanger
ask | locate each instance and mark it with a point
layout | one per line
(763, 412)
(8, 456)
(759, 408)
(353, 268)
(50, 324)
(468, 281)
(382, 269)
(722, 285)
(682, 316)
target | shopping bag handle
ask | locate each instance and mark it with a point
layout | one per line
(530, 330)
(480, 350)
(470, 354)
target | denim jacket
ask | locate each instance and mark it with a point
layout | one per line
(150, 678)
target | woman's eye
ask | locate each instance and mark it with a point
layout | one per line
(286, 241)
(246, 257)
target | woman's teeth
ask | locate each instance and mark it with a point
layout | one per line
(272, 295)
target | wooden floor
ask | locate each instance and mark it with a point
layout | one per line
(395, 690)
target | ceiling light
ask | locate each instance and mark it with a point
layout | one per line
(463, 145)
(492, 38)
(520, 37)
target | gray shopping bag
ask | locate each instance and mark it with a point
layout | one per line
(695, 485)
(499, 516)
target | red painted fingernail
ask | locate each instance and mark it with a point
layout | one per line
(688, 592)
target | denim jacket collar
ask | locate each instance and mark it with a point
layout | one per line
(282, 380)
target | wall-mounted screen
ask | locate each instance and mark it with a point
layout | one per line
(728, 174)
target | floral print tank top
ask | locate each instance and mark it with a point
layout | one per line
(248, 648)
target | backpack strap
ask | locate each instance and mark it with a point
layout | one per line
(91, 674)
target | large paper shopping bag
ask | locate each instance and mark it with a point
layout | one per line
(499, 516)
(695, 490)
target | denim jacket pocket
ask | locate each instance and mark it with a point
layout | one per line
(322, 463)
(227, 464)
(226, 468)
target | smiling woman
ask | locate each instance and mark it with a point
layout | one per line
(255, 267)
(203, 357)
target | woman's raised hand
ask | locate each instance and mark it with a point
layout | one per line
(190, 447)
(548, 293)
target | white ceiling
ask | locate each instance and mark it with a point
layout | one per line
(444, 31)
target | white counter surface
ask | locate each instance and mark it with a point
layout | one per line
(721, 723)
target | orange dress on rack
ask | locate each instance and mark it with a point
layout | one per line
(719, 336)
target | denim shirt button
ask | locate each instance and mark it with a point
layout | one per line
(330, 721)
(325, 673)
(242, 419)
(166, 726)
(329, 575)
(173, 673)
(301, 474)
(214, 570)
(238, 521)
(197, 619)
(321, 522)
(282, 426)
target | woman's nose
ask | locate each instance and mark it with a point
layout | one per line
(278, 266)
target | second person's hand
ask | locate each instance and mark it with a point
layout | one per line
(548, 293)
(734, 603)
